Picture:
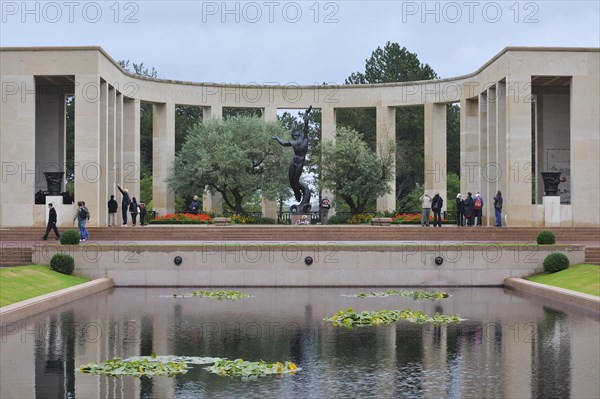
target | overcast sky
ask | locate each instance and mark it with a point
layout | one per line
(296, 41)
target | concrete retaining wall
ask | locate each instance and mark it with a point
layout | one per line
(42, 303)
(586, 301)
(283, 265)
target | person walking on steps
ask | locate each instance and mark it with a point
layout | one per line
(51, 223)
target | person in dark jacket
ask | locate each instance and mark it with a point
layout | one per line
(498, 208)
(124, 204)
(51, 223)
(460, 210)
(436, 206)
(469, 209)
(133, 209)
(113, 205)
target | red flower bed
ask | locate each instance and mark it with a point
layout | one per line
(183, 218)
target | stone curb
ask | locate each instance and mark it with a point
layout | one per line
(579, 299)
(42, 303)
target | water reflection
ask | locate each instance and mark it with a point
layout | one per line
(511, 346)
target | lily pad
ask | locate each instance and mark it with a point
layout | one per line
(251, 370)
(419, 294)
(349, 318)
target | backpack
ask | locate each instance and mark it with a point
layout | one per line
(83, 214)
(325, 203)
(477, 205)
(142, 206)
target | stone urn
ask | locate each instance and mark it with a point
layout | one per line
(54, 182)
(551, 181)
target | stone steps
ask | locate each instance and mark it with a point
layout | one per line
(311, 233)
(15, 242)
(592, 255)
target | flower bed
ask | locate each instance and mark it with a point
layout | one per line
(183, 218)
(411, 218)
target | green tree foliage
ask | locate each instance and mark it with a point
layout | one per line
(393, 63)
(235, 157)
(354, 172)
(410, 202)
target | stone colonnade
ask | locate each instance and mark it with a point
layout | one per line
(496, 146)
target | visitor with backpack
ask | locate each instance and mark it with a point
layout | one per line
(498, 208)
(324, 210)
(478, 208)
(143, 212)
(82, 215)
(436, 206)
(124, 203)
(133, 210)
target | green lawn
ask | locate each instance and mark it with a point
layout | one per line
(24, 282)
(581, 278)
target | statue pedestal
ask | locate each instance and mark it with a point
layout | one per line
(551, 211)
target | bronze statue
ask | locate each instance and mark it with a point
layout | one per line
(299, 144)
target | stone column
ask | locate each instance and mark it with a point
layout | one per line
(490, 169)
(17, 151)
(328, 126)
(517, 200)
(105, 110)
(386, 133)
(469, 146)
(435, 149)
(88, 168)
(502, 170)
(112, 148)
(163, 154)
(128, 176)
(212, 202)
(585, 147)
(269, 207)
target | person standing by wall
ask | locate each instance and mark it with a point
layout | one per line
(51, 223)
(195, 205)
(124, 204)
(460, 210)
(469, 209)
(324, 210)
(426, 205)
(133, 210)
(498, 208)
(113, 205)
(143, 212)
(478, 208)
(436, 206)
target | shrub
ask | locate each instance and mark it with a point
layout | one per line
(546, 237)
(62, 263)
(339, 219)
(555, 262)
(265, 220)
(361, 218)
(69, 237)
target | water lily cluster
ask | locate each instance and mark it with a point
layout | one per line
(350, 318)
(220, 295)
(418, 294)
(251, 370)
(150, 366)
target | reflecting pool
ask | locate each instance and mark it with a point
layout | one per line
(511, 346)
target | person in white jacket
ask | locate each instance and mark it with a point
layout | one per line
(426, 205)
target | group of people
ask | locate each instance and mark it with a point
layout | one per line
(82, 216)
(468, 210)
(128, 205)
